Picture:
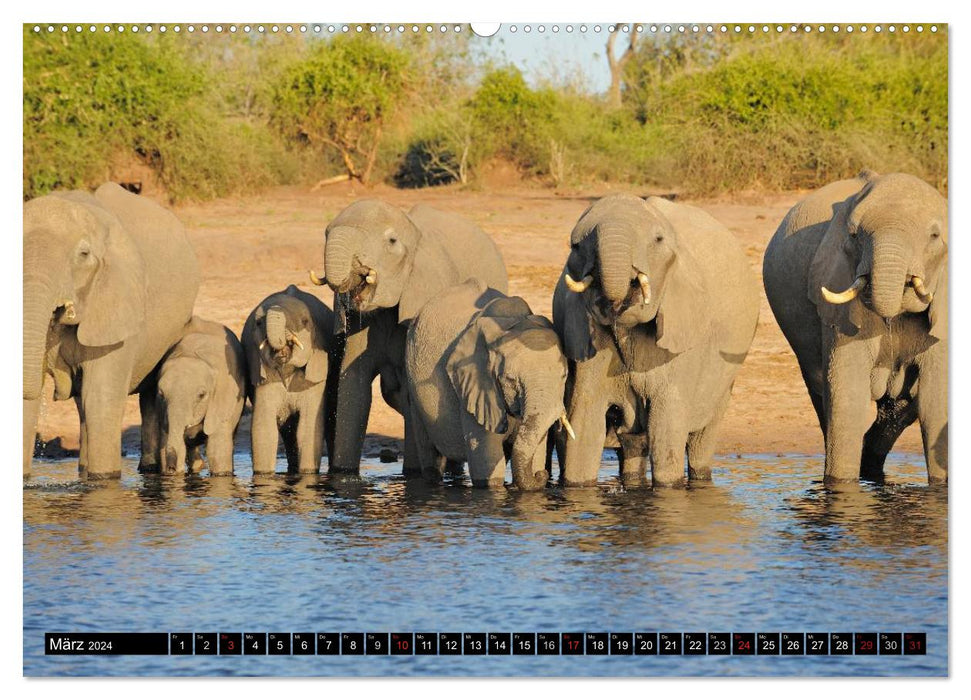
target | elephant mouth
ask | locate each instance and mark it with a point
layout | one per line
(361, 289)
(606, 312)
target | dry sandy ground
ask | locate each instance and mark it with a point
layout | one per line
(250, 247)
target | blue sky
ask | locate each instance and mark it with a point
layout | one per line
(562, 56)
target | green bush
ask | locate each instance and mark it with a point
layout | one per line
(91, 98)
(340, 95)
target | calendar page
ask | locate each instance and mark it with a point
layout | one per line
(443, 349)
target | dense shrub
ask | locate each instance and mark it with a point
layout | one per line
(340, 95)
(214, 115)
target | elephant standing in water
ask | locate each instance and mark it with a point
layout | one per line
(383, 266)
(201, 392)
(657, 306)
(287, 340)
(109, 284)
(856, 276)
(486, 377)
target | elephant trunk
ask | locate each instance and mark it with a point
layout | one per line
(614, 250)
(276, 327)
(338, 253)
(888, 276)
(39, 303)
(173, 441)
(529, 452)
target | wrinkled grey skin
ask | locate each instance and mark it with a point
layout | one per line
(669, 361)
(887, 345)
(486, 378)
(414, 256)
(109, 284)
(201, 392)
(286, 382)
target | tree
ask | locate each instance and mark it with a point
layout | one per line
(617, 64)
(341, 95)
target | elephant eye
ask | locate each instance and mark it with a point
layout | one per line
(659, 238)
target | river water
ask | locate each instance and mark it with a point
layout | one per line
(764, 547)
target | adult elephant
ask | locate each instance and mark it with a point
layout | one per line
(383, 265)
(657, 306)
(856, 276)
(109, 284)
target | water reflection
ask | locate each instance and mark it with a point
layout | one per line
(750, 548)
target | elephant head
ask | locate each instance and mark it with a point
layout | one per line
(886, 251)
(187, 399)
(506, 365)
(281, 334)
(626, 267)
(81, 269)
(376, 258)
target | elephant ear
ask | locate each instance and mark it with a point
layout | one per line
(256, 372)
(682, 313)
(937, 310)
(472, 367)
(114, 306)
(573, 323)
(432, 271)
(316, 368)
(833, 268)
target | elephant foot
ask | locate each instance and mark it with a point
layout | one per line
(220, 473)
(488, 483)
(88, 475)
(873, 474)
(341, 469)
(669, 482)
(937, 479)
(578, 483)
(700, 474)
(150, 469)
(634, 481)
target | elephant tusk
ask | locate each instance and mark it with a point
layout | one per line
(295, 340)
(372, 276)
(565, 422)
(319, 281)
(580, 286)
(69, 313)
(920, 290)
(848, 295)
(645, 287)
(262, 345)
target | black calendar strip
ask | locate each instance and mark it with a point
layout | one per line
(487, 643)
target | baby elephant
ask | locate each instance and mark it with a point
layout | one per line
(487, 379)
(287, 340)
(201, 392)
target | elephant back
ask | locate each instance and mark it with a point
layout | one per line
(470, 249)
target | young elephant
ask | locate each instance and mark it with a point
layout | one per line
(287, 340)
(486, 379)
(201, 392)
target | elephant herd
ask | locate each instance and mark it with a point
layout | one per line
(653, 315)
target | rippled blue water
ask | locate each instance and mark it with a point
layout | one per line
(763, 548)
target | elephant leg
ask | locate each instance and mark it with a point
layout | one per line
(932, 413)
(31, 413)
(264, 433)
(82, 435)
(431, 464)
(103, 393)
(310, 437)
(848, 403)
(411, 462)
(667, 440)
(219, 452)
(587, 410)
(701, 443)
(633, 458)
(148, 408)
(353, 407)
(487, 459)
(454, 467)
(193, 458)
(291, 448)
(893, 416)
